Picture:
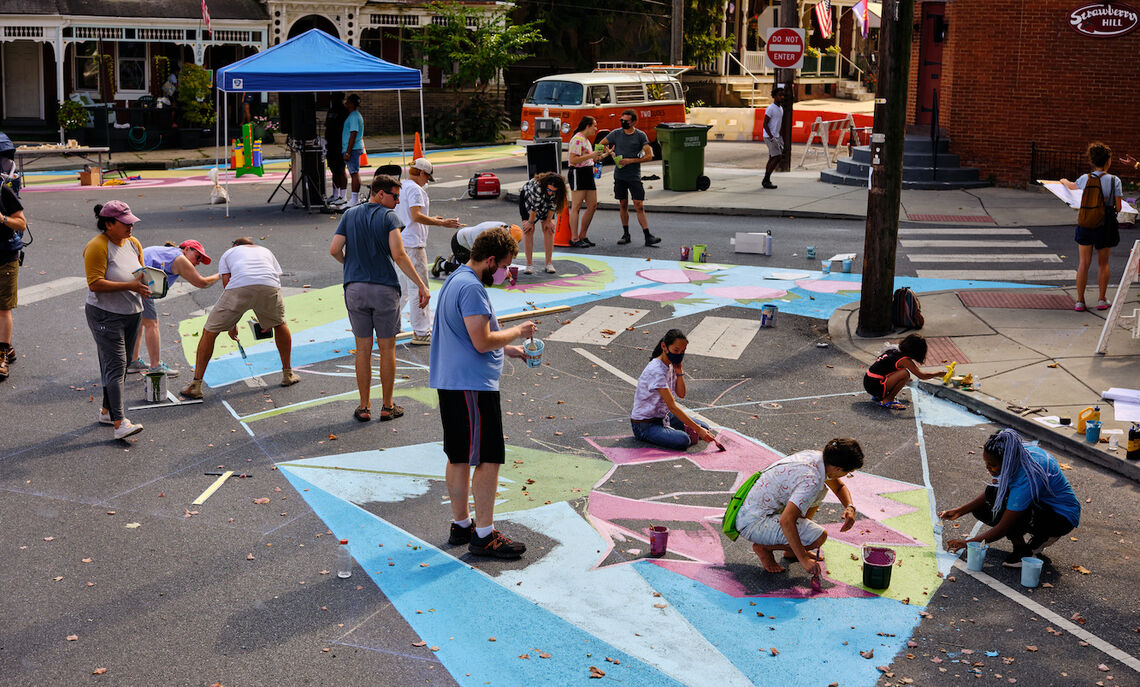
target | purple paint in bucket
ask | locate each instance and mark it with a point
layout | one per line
(877, 562)
(658, 541)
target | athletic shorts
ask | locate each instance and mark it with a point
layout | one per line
(1107, 236)
(353, 162)
(336, 161)
(582, 178)
(775, 146)
(372, 308)
(631, 187)
(149, 312)
(874, 386)
(458, 253)
(767, 531)
(264, 300)
(8, 286)
(472, 426)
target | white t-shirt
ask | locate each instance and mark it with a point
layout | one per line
(801, 478)
(775, 115)
(411, 194)
(467, 235)
(647, 401)
(250, 266)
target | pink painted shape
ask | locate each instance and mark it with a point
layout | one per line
(867, 491)
(715, 576)
(665, 276)
(623, 455)
(829, 286)
(744, 293)
(866, 530)
(741, 455)
(702, 543)
(656, 295)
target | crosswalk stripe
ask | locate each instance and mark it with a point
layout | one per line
(949, 243)
(56, 287)
(971, 257)
(999, 275)
(970, 231)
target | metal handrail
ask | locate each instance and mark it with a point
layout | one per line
(853, 65)
(745, 70)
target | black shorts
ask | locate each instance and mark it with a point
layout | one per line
(458, 253)
(582, 179)
(336, 161)
(472, 426)
(631, 186)
(1108, 236)
(875, 386)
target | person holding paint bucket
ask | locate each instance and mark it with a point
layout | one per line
(1032, 497)
(656, 418)
(175, 261)
(890, 372)
(466, 361)
(777, 514)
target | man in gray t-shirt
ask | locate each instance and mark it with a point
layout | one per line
(630, 147)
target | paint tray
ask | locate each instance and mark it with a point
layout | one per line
(878, 560)
(155, 279)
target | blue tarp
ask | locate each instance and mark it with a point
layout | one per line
(315, 61)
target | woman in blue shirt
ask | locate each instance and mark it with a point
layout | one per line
(1032, 496)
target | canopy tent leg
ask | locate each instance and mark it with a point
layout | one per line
(423, 122)
(400, 114)
(226, 111)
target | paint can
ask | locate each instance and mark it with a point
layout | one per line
(1031, 571)
(513, 271)
(847, 266)
(975, 555)
(658, 541)
(258, 332)
(684, 252)
(811, 252)
(155, 386)
(877, 563)
(768, 315)
(825, 266)
(697, 252)
(533, 349)
(1092, 431)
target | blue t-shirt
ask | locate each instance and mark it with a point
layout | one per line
(455, 364)
(367, 254)
(1062, 500)
(353, 122)
(162, 258)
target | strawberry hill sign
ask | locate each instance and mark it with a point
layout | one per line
(1104, 19)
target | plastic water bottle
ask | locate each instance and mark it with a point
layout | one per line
(343, 560)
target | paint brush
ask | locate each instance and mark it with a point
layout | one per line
(241, 349)
(816, 582)
(218, 474)
(719, 446)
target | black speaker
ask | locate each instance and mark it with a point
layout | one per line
(545, 156)
(313, 169)
(299, 115)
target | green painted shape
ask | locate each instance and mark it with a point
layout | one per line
(916, 524)
(555, 475)
(422, 394)
(600, 276)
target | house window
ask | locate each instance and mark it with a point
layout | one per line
(86, 71)
(132, 67)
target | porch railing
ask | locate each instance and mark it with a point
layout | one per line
(1055, 164)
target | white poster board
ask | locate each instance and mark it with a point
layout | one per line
(1131, 274)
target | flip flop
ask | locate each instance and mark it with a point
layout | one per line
(893, 405)
(362, 414)
(390, 412)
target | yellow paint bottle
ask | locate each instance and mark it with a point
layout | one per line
(1087, 415)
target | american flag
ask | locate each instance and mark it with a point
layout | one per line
(206, 17)
(822, 15)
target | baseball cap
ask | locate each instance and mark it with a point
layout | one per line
(118, 210)
(425, 166)
(354, 99)
(198, 247)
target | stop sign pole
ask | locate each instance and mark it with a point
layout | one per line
(790, 44)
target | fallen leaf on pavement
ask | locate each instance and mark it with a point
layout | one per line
(1102, 668)
(132, 525)
(660, 605)
(419, 643)
(72, 638)
(262, 501)
(98, 671)
(870, 653)
(1030, 647)
(596, 674)
(774, 651)
(250, 557)
(49, 538)
(1082, 569)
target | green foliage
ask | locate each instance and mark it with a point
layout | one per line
(703, 43)
(473, 46)
(833, 50)
(71, 116)
(478, 119)
(106, 77)
(811, 52)
(193, 97)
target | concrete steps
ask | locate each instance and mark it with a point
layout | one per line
(919, 167)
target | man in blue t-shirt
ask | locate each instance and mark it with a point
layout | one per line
(367, 242)
(352, 143)
(467, 348)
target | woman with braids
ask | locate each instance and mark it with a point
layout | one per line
(656, 417)
(1031, 497)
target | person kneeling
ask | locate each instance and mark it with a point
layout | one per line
(656, 417)
(1032, 496)
(777, 513)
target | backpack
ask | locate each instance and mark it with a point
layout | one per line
(906, 312)
(1091, 214)
(728, 522)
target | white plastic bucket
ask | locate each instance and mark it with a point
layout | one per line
(975, 555)
(156, 389)
(1031, 571)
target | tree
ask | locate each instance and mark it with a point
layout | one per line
(703, 43)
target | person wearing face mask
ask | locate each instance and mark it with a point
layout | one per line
(630, 148)
(656, 417)
(461, 242)
(466, 361)
(367, 242)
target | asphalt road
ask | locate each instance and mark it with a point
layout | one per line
(235, 592)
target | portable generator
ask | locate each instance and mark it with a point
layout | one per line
(483, 185)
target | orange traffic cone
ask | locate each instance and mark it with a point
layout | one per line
(562, 233)
(363, 156)
(417, 149)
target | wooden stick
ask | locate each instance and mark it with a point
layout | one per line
(524, 315)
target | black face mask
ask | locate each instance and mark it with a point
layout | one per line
(626, 124)
(488, 277)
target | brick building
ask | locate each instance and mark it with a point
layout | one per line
(1011, 75)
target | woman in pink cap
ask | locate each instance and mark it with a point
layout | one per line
(175, 261)
(114, 305)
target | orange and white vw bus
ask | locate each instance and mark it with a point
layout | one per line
(555, 104)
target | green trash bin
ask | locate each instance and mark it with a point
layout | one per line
(683, 155)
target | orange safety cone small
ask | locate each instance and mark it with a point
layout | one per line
(562, 233)
(417, 149)
(363, 156)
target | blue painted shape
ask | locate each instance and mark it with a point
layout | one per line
(942, 413)
(809, 633)
(469, 606)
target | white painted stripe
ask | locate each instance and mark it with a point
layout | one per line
(971, 257)
(237, 417)
(588, 327)
(1054, 619)
(606, 366)
(943, 557)
(950, 243)
(971, 231)
(1000, 275)
(722, 337)
(56, 287)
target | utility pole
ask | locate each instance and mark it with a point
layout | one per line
(789, 17)
(882, 228)
(677, 33)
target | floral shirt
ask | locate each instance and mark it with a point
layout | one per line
(800, 479)
(580, 146)
(536, 200)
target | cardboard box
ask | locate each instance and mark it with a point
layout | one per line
(91, 176)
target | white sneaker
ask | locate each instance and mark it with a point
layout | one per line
(105, 418)
(126, 429)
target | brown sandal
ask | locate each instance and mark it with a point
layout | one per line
(390, 412)
(362, 414)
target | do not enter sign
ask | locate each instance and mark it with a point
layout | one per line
(785, 48)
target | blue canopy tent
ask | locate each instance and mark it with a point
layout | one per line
(313, 61)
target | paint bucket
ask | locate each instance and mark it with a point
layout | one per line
(258, 332)
(684, 252)
(1092, 431)
(847, 266)
(697, 253)
(533, 349)
(658, 541)
(513, 271)
(155, 386)
(768, 315)
(975, 555)
(877, 562)
(825, 266)
(1031, 571)
(811, 252)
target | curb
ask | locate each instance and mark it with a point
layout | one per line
(723, 211)
(1035, 430)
